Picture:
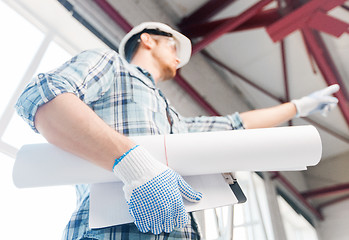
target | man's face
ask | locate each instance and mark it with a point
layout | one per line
(165, 53)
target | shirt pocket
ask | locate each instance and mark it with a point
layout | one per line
(150, 107)
(146, 97)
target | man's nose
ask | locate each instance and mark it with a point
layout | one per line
(177, 60)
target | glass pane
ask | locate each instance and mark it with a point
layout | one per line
(54, 57)
(211, 224)
(296, 226)
(253, 215)
(35, 213)
(19, 133)
(240, 233)
(262, 199)
(239, 218)
(19, 42)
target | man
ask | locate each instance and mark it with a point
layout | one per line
(90, 104)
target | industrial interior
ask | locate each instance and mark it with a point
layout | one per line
(247, 54)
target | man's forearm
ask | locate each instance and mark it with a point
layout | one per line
(70, 124)
(268, 117)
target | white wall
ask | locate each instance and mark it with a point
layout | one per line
(335, 225)
(297, 179)
(331, 172)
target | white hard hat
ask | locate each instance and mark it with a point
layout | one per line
(183, 46)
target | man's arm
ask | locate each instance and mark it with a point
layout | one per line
(70, 124)
(261, 118)
(51, 105)
(317, 102)
(268, 117)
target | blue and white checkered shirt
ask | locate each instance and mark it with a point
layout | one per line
(126, 98)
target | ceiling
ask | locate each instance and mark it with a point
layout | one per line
(250, 54)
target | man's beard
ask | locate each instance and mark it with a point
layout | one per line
(168, 70)
(168, 73)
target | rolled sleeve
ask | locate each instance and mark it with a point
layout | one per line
(88, 76)
(28, 103)
(219, 123)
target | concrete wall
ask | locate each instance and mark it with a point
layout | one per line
(331, 172)
(297, 179)
(335, 225)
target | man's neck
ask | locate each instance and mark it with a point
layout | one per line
(149, 66)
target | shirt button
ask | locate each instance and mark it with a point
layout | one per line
(41, 75)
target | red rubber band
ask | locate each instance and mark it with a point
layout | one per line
(165, 150)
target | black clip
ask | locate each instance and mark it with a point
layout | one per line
(235, 187)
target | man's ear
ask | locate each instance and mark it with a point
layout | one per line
(147, 41)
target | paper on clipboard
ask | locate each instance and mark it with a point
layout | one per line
(193, 155)
(270, 149)
(108, 206)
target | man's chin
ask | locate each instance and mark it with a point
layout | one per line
(170, 75)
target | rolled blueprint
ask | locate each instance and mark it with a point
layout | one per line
(268, 149)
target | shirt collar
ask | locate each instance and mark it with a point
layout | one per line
(141, 74)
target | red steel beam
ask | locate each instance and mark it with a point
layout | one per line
(291, 4)
(221, 64)
(289, 186)
(311, 61)
(267, 93)
(262, 19)
(288, 7)
(331, 202)
(327, 24)
(332, 4)
(299, 18)
(327, 191)
(285, 74)
(345, 7)
(327, 68)
(113, 14)
(206, 11)
(284, 71)
(328, 130)
(195, 95)
(230, 25)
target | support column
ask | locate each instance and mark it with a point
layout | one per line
(230, 25)
(275, 215)
(327, 67)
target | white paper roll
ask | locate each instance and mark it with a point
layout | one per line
(269, 149)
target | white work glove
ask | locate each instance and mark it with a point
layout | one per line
(319, 101)
(153, 192)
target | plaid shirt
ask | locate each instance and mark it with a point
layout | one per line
(126, 98)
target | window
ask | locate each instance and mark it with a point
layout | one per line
(18, 44)
(296, 226)
(246, 221)
(35, 213)
(251, 220)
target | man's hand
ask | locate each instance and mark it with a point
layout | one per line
(153, 192)
(319, 101)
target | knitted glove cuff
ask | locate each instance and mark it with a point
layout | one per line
(297, 103)
(138, 167)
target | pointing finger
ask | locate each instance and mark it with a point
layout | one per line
(331, 89)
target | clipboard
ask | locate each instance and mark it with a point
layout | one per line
(108, 206)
